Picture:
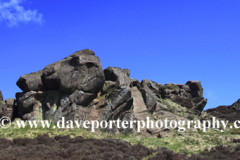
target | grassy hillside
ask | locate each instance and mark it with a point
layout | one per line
(191, 142)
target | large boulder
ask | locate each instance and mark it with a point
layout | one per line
(31, 82)
(76, 79)
(116, 78)
(196, 88)
(25, 102)
(118, 75)
(10, 110)
(7, 107)
(79, 71)
(3, 107)
(188, 95)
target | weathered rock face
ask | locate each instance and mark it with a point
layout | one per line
(7, 108)
(150, 93)
(188, 95)
(75, 80)
(3, 107)
(80, 71)
(31, 82)
(1, 96)
(77, 88)
(115, 99)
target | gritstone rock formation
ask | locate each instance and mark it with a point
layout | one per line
(7, 107)
(77, 88)
(61, 88)
(1, 96)
(230, 113)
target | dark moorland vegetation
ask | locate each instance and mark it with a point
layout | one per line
(64, 147)
(230, 113)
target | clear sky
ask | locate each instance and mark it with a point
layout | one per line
(167, 41)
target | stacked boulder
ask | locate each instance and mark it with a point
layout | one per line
(189, 95)
(7, 107)
(61, 89)
(77, 88)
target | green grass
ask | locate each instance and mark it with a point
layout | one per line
(194, 142)
(235, 131)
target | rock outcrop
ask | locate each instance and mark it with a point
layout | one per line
(7, 107)
(77, 88)
(188, 95)
(1, 96)
(61, 88)
(230, 113)
(81, 71)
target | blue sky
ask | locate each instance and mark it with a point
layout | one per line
(164, 41)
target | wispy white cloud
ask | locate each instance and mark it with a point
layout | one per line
(13, 13)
